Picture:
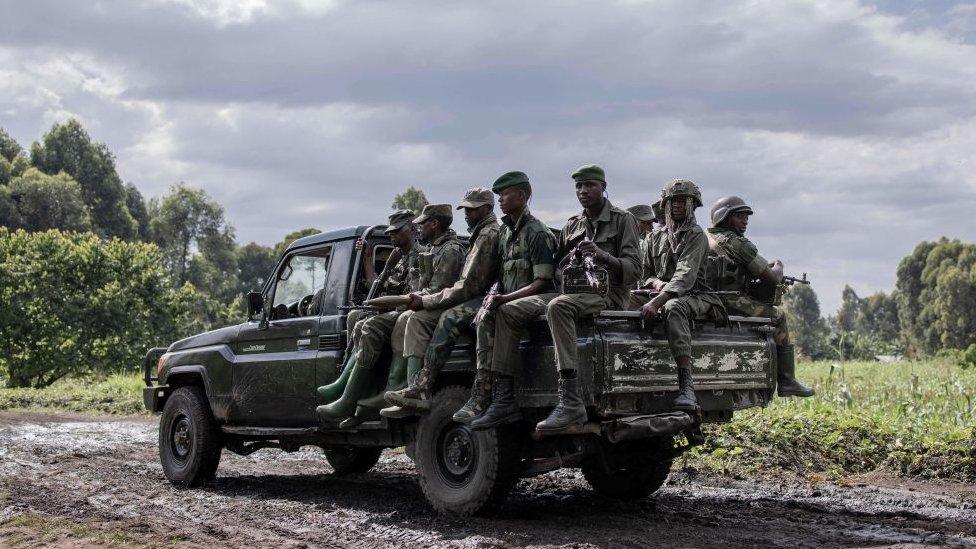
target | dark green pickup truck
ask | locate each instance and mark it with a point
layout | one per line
(252, 386)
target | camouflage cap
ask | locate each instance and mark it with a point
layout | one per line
(398, 219)
(642, 212)
(681, 187)
(590, 172)
(478, 196)
(509, 179)
(432, 210)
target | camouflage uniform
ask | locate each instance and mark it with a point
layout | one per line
(648, 271)
(433, 331)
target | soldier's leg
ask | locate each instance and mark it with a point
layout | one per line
(334, 390)
(510, 322)
(482, 387)
(786, 382)
(677, 320)
(636, 301)
(368, 408)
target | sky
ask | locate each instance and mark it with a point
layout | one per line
(850, 127)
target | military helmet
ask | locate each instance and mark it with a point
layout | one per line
(681, 187)
(726, 206)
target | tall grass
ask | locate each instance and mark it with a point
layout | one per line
(115, 394)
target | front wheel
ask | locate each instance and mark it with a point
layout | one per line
(189, 438)
(352, 460)
(463, 472)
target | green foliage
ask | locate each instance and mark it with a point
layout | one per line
(254, 263)
(410, 199)
(137, 209)
(74, 304)
(113, 394)
(68, 148)
(6, 171)
(910, 418)
(36, 201)
(182, 223)
(280, 247)
(9, 148)
(866, 327)
(807, 328)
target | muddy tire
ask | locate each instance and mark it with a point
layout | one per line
(189, 438)
(463, 472)
(639, 478)
(352, 460)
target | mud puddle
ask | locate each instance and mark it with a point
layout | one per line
(76, 482)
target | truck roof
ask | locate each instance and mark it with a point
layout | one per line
(328, 236)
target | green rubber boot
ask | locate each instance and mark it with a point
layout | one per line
(334, 390)
(414, 365)
(359, 385)
(368, 409)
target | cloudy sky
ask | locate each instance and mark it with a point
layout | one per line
(849, 126)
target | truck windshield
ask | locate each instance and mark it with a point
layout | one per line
(303, 275)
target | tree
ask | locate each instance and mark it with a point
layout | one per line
(9, 148)
(808, 330)
(68, 148)
(180, 221)
(137, 209)
(291, 237)
(43, 202)
(254, 262)
(410, 199)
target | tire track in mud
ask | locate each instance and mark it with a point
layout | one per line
(104, 474)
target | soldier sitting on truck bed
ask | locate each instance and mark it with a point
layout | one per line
(525, 255)
(646, 216)
(679, 277)
(741, 261)
(436, 320)
(435, 268)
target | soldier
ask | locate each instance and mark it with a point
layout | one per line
(741, 259)
(610, 234)
(436, 320)
(437, 267)
(679, 275)
(525, 255)
(396, 275)
(646, 218)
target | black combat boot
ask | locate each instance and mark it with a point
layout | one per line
(503, 408)
(686, 401)
(569, 412)
(404, 399)
(479, 401)
(786, 382)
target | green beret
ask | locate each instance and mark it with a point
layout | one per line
(590, 172)
(509, 179)
(642, 212)
(431, 210)
(478, 196)
(398, 219)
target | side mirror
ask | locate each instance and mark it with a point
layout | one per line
(255, 304)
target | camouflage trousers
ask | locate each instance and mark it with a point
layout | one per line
(354, 327)
(378, 331)
(508, 323)
(432, 335)
(635, 302)
(678, 314)
(747, 306)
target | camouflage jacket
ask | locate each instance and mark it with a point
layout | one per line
(682, 269)
(648, 269)
(440, 263)
(741, 259)
(404, 276)
(526, 251)
(480, 268)
(615, 232)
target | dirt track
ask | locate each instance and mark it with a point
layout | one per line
(75, 481)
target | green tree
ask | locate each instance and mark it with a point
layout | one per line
(808, 330)
(43, 202)
(410, 199)
(280, 247)
(137, 209)
(74, 304)
(254, 262)
(9, 148)
(67, 147)
(183, 220)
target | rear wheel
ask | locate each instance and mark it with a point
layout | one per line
(463, 472)
(628, 476)
(189, 438)
(352, 460)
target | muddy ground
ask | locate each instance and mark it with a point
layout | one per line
(77, 481)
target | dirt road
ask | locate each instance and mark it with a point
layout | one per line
(75, 481)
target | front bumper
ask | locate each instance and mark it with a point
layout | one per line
(155, 397)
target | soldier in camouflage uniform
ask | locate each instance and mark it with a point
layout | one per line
(610, 235)
(741, 261)
(400, 266)
(679, 275)
(525, 255)
(646, 217)
(436, 320)
(438, 266)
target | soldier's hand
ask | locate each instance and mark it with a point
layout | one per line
(649, 310)
(493, 301)
(416, 303)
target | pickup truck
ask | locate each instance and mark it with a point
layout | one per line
(252, 386)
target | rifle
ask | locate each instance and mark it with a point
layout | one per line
(594, 279)
(789, 280)
(388, 302)
(480, 315)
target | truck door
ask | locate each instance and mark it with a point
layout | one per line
(275, 363)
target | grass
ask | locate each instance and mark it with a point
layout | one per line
(915, 419)
(115, 394)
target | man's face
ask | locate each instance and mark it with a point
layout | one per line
(428, 230)
(511, 200)
(646, 226)
(678, 210)
(473, 216)
(739, 221)
(589, 193)
(402, 237)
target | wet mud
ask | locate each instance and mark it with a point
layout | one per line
(77, 481)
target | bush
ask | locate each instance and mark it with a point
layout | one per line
(75, 304)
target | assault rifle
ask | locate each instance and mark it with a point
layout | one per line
(480, 315)
(582, 275)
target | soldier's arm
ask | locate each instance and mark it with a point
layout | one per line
(447, 268)
(687, 265)
(479, 273)
(745, 253)
(542, 251)
(630, 254)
